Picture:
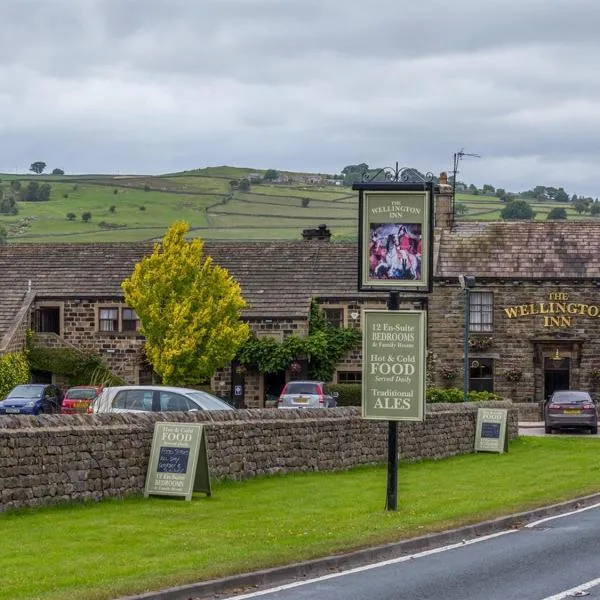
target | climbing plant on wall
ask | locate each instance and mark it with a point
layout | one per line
(324, 347)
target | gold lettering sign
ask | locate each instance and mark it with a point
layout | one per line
(557, 312)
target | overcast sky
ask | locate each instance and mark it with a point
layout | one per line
(154, 86)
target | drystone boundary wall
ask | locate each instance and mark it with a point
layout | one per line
(62, 458)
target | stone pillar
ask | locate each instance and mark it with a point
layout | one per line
(443, 203)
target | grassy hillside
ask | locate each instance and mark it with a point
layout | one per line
(140, 208)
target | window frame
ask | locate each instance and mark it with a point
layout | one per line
(119, 322)
(481, 314)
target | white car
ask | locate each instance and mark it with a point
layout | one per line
(155, 398)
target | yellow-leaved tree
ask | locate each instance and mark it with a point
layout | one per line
(189, 309)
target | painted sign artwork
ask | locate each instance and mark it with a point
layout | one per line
(395, 239)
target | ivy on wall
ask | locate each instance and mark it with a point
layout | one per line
(324, 347)
(14, 370)
(80, 368)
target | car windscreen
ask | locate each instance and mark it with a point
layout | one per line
(26, 391)
(208, 402)
(81, 394)
(302, 388)
(571, 397)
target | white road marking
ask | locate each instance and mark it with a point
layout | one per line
(575, 592)
(402, 559)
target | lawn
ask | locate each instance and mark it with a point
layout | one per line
(104, 550)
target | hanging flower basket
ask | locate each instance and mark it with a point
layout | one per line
(481, 342)
(513, 375)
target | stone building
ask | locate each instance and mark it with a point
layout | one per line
(534, 308)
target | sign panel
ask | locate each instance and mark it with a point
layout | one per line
(490, 432)
(178, 461)
(393, 376)
(396, 239)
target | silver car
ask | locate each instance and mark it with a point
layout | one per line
(570, 409)
(306, 394)
(155, 398)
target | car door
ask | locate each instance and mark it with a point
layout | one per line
(50, 400)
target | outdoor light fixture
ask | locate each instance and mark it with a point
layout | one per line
(467, 282)
(354, 315)
(556, 355)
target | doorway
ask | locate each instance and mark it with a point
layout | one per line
(556, 375)
(272, 385)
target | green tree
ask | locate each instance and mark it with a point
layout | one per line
(595, 209)
(15, 185)
(189, 309)
(86, 216)
(71, 216)
(43, 194)
(517, 210)
(488, 190)
(581, 206)
(37, 167)
(500, 192)
(244, 185)
(8, 206)
(461, 208)
(3, 236)
(57, 172)
(557, 213)
(271, 175)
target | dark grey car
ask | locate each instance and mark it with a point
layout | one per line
(306, 394)
(571, 409)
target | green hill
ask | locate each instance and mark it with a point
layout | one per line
(140, 208)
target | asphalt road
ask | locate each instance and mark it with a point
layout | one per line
(549, 559)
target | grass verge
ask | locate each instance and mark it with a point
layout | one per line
(105, 550)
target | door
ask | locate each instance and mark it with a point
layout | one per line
(273, 383)
(556, 375)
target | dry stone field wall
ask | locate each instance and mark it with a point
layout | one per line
(63, 458)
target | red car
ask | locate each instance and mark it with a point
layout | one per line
(78, 399)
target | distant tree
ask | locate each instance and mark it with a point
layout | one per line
(8, 205)
(244, 185)
(30, 193)
(146, 187)
(581, 206)
(37, 167)
(44, 191)
(189, 309)
(86, 216)
(574, 198)
(15, 185)
(360, 168)
(561, 195)
(65, 195)
(557, 213)
(460, 208)
(500, 192)
(517, 210)
(476, 192)
(305, 202)
(488, 190)
(111, 209)
(271, 175)
(115, 191)
(142, 207)
(3, 236)
(57, 172)
(595, 209)
(71, 216)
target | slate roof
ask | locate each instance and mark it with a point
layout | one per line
(520, 250)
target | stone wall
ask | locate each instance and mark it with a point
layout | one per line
(60, 458)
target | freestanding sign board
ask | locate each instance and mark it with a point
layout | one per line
(178, 461)
(393, 365)
(490, 432)
(395, 237)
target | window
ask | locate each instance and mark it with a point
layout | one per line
(133, 400)
(109, 319)
(349, 377)
(481, 311)
(334, 316)
(481, 375)
(129, 320)
(47, 319)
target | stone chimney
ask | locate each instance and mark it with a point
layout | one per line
(321, 233)
(443, 203)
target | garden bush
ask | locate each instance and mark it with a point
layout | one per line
(349, 394)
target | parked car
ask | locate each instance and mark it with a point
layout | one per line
(79, 398)
(570, 409)
(32, 399)
(155, 398)
(306, 394)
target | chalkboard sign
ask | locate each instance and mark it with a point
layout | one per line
(178, 463)
(490, 431)
(173, 460)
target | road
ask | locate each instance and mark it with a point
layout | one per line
(550, 559)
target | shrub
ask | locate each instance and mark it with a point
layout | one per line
(65, 195)
(71, 216)
(115, 191)
(435, 394)
(349, 394)
(142, 207)
(86, 216)
(112, 208)
(146, 187)
(14, 370)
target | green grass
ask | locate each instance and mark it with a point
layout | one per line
(97, 551)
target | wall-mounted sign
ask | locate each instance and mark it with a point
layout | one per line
(559, 311)
(490, 431)
(395, 236)
(178, 463)
(393, 366)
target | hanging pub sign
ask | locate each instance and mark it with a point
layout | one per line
(393, 376)
(395, 236)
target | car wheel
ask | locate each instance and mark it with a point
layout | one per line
(594, 430)
(548, 429)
